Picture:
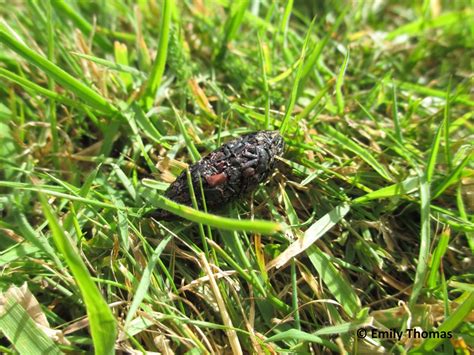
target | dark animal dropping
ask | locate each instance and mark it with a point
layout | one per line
(229, 172)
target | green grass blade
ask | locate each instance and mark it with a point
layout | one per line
(417, 27)
(123, 178)
(430, 168)
(285, 21)
(344, 327)
(22, 331)
(159, 64)
(35, 88)
(251, 278)
(89, 96)
(295, 89)
(65, 11)
(101, 320)
(121, 59)
(136, 117)
(285, 74)
(232, 25)
(196, 206)
(122, 68)
(315, 54)
(463, 215)
(314, 102)
(446, 123)
(37, 239)
(193, 152)
(437, 257)
(396, 119)
(51, 84)
(311, 235)
(335, 281)
(423, 90)
(8, 148)
(295, 334)
(358, 150)
(144, 284)
(191, 214)
(50, 191)
(110, 135)
(145, 124)
(449, 325)
(452, 178)
(402, 188)
(425, 242)
(17, 252)
(294, 295)
(265, 81)
(340, 82)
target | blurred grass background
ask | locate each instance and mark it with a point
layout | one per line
(369, 218)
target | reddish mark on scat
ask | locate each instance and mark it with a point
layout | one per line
(216, 179)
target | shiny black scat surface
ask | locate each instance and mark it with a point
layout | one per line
(228, 173)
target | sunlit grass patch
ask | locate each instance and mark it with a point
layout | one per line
(365, 224)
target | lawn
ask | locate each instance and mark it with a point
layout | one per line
(361, 240)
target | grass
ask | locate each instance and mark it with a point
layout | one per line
(367, 222)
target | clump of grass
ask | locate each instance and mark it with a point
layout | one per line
(367, 223)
